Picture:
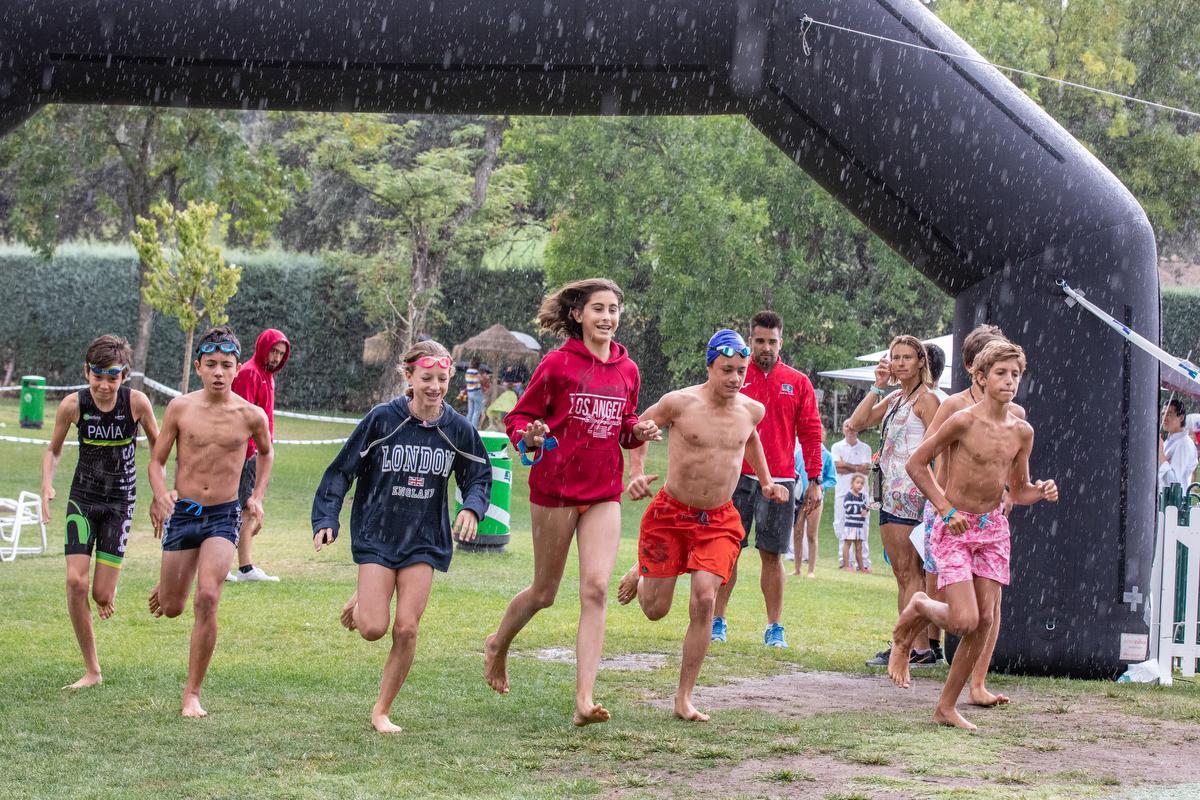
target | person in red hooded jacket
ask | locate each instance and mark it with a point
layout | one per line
(255, 382)
(579, 410)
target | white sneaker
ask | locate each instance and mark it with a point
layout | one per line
(256, 574)
(232, 577)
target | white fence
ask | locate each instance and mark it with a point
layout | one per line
(1177, 578)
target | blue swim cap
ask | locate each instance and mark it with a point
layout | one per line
(726, 339)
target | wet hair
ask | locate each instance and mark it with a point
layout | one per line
(937, 361)
(976, 340)
(555, 313)
(425, 347)
(1176, 405)
(922, 355)
(993, 353)
(221, 333)
(766, 319)
(109, 349)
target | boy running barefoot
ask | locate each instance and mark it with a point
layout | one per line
(974, 342)
(100, 507)
(692, 525)
(199, 520)
(985, 447)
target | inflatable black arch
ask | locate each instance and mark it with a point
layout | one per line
(945, 160)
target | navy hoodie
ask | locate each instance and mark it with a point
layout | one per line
(402, 466)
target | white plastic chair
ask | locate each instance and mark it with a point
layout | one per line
(15, 516)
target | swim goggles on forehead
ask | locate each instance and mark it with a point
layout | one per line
(730, 352)
(426, 362)
(212, 347)
(112, 372)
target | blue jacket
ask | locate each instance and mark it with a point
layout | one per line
(402, 466)
(828, 472)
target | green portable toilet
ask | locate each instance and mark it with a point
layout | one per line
(33, 401)
(493, 531)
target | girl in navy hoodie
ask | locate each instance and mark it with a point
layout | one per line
(402, 454)
(579, 410)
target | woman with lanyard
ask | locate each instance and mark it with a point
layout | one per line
(579, 410)
(902, 416)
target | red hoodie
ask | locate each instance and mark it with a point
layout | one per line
(590, 407)
(256, 383)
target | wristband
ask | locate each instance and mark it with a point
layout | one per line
(878, 391)
(949, 514)
(549, 444)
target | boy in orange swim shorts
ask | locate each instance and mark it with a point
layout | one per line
(984, 446)
(691, 526)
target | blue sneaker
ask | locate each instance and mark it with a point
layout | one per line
(719, 629)
(773, 636)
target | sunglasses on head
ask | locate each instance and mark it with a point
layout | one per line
(427, 362)
(212, 347)
(112, 372)
(730, 352)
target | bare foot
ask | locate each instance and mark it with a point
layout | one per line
(811, 575)
(902, 635)
(381, 723)
(847, 568)
(952, 719)
(984, 699)
(495, 665)
(105, 611)
(686, 711)
(797, 572)
(348, 612)
(191, 706)
(155, 606)
(898, 665)
(88, 679)
(627, 589)
(591, 714)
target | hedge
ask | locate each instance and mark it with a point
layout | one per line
(58, 306)
(1181, 322)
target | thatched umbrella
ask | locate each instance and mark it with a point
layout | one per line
(498, 345)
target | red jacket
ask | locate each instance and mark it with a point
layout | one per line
(791, 414)
(590, 407)
(255, 383)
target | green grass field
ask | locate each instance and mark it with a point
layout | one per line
(289, 691)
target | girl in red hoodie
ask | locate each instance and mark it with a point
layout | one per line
(579, 410)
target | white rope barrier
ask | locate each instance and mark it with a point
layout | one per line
(75, 442)
(169, 391)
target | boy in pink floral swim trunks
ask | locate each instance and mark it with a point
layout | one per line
(985, 446)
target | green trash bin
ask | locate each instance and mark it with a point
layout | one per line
(493, 531)
(33, 401)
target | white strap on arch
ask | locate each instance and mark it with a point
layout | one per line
(1181, 366)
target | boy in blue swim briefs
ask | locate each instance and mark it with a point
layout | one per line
(199, 520)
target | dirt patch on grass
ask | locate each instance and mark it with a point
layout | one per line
(1082, 747)
(625, 662)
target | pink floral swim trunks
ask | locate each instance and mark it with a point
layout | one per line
(983, 551)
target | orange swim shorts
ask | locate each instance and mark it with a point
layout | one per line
(676, 538)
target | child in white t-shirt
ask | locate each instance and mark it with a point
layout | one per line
(853, 522)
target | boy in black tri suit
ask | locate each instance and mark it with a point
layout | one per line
(200, 518)
(100, 505)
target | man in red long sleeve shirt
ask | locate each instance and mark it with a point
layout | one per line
(791, 415)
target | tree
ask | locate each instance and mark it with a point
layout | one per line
(432, 203)
(91, 171)
(704, 222)
(1122, 46)
(186, 277)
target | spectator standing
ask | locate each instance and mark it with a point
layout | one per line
(1177, 455)
(851, 456)
(807, 525)
(474, 394)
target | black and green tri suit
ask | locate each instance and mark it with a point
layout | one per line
(100, 506)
